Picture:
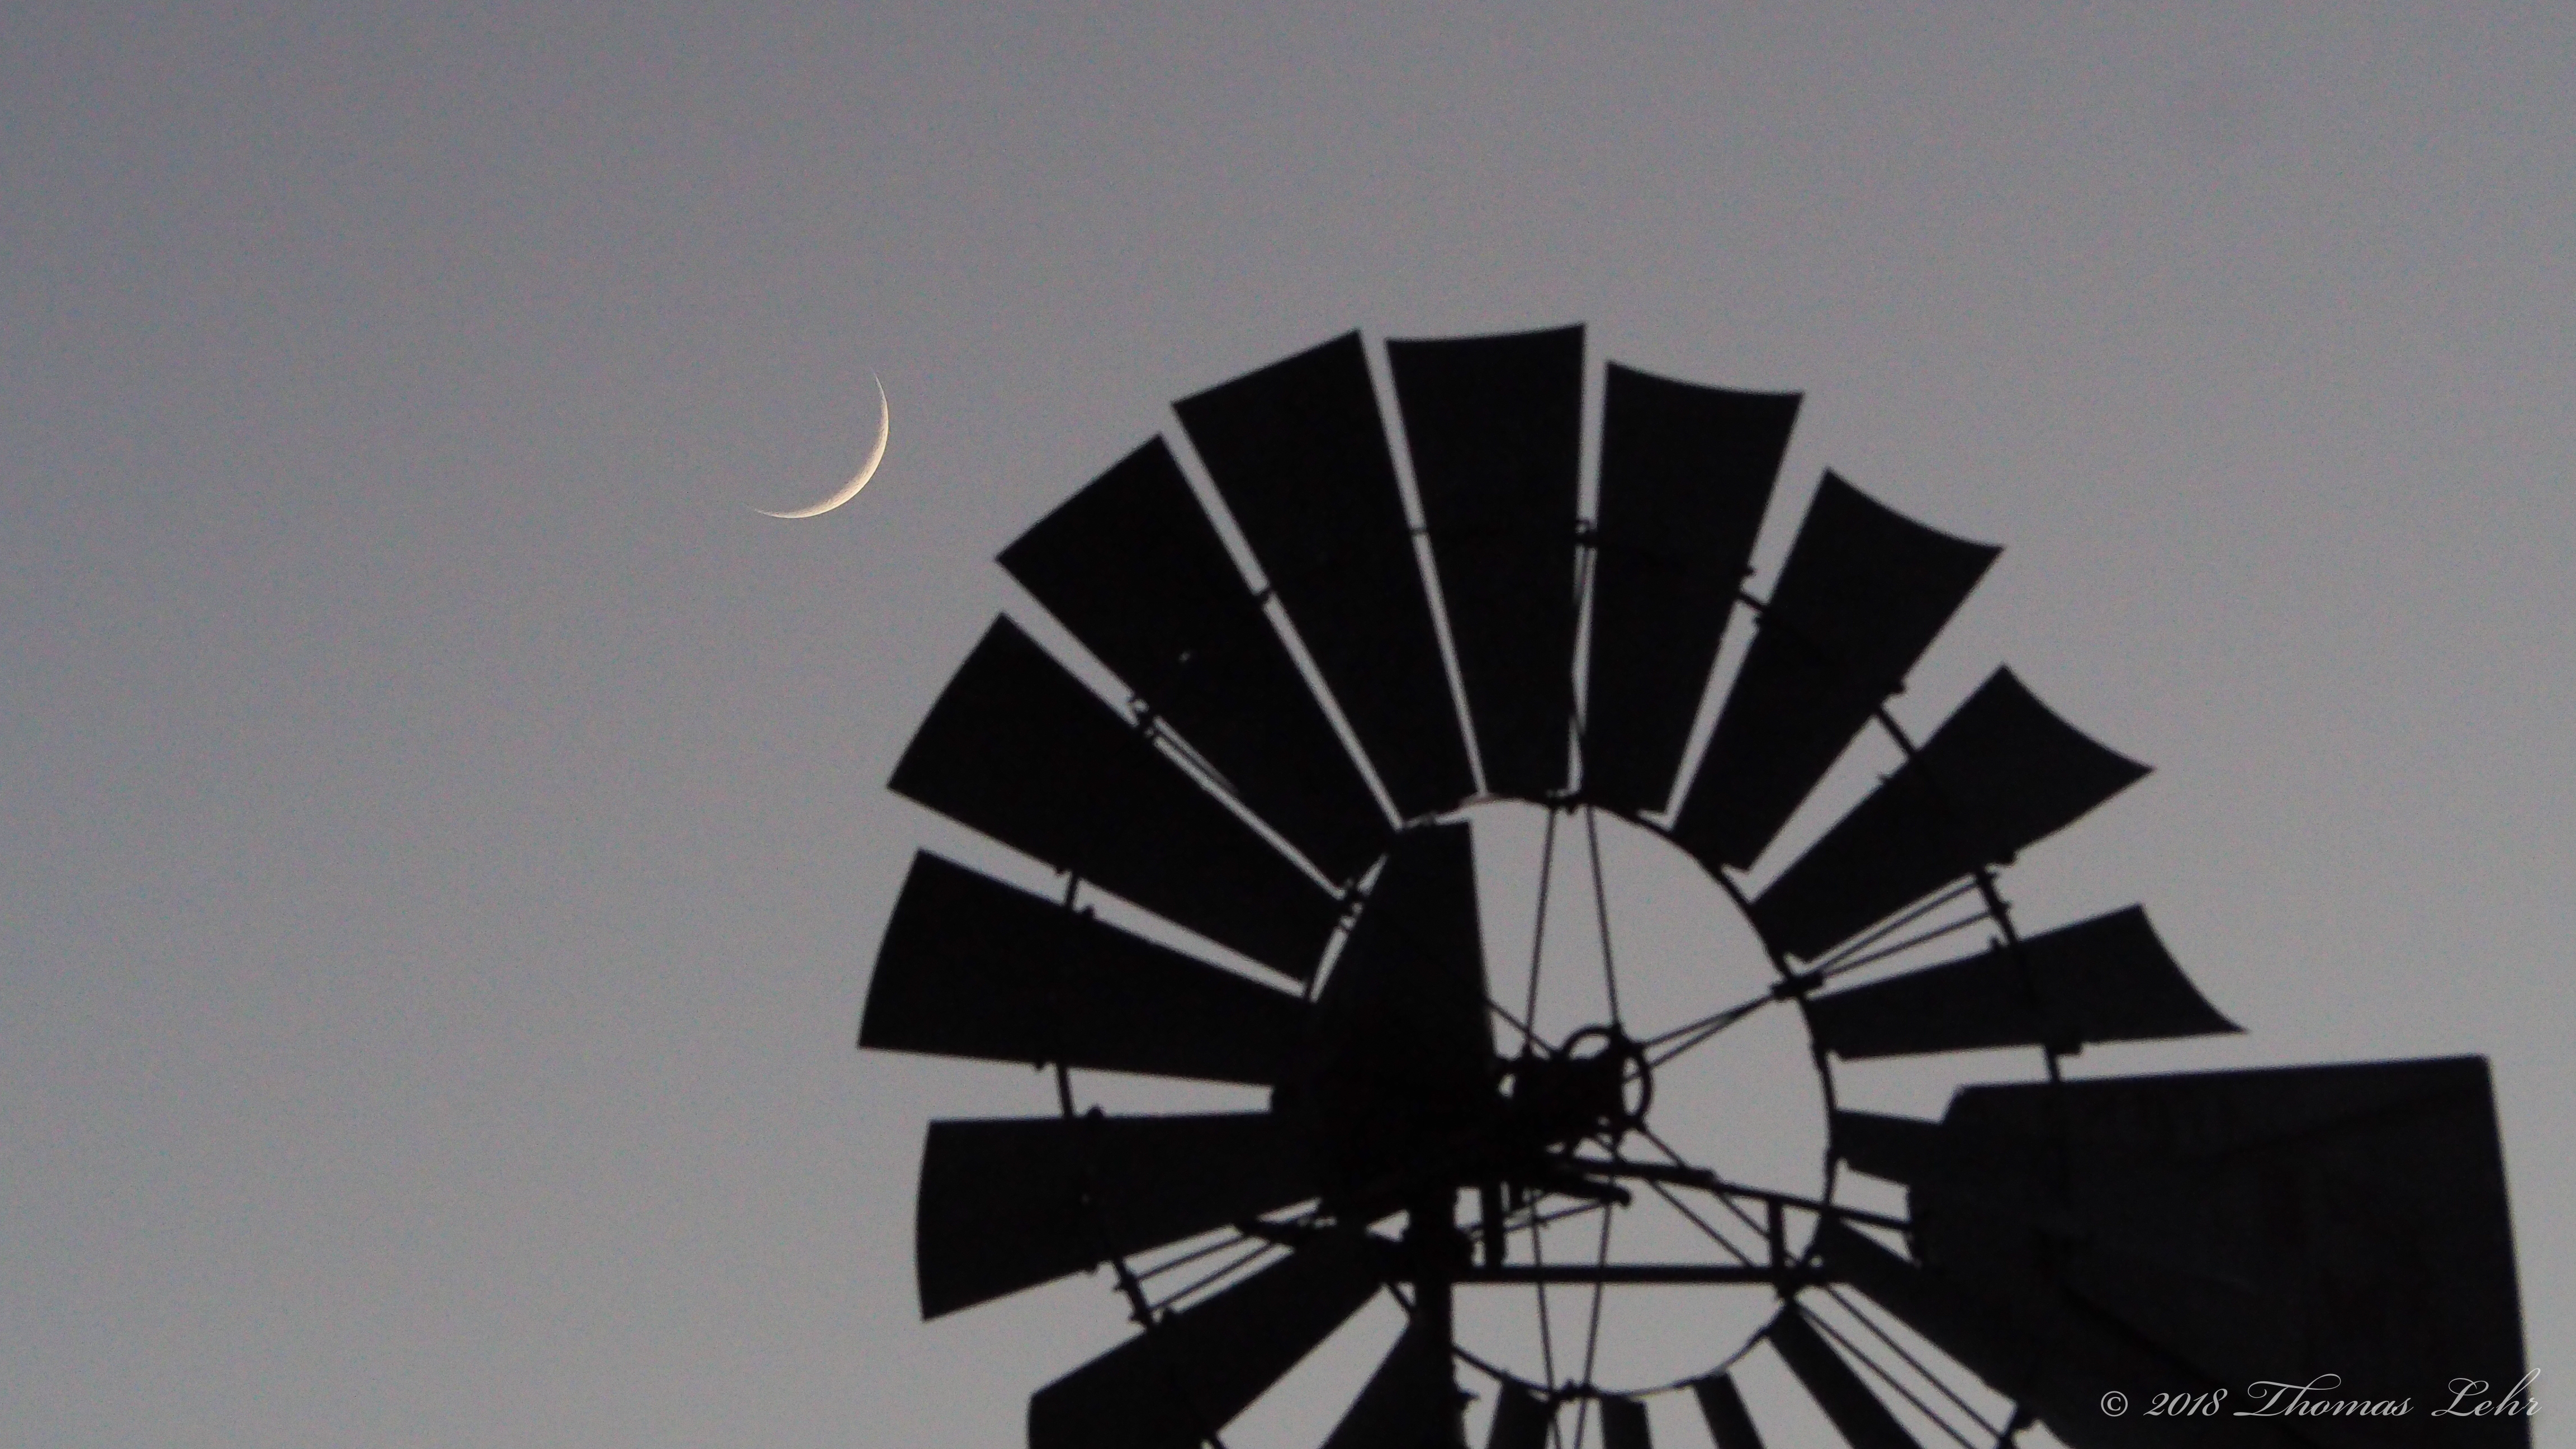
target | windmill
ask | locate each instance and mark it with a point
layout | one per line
(1310, 753)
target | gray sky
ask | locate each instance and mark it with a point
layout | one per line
(446, 826)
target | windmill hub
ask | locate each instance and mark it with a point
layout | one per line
(1598, 1084)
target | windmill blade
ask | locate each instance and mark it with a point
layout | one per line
(2348, 1220)
(971, 967)
(1522, 1419)
(1686, 473)
(1864, 1421)
(1861, 597)
(1623, 1423)
(2103, 980)
(1189, 1374)
(1723, 1406)
(1017, 748)
(1495, 426)
(2058, 1365)
(1298, 452)
(2003, 1172)
(1899, 1149)
(2000, 773)
(1411, 1402)
(1401, 1062)
(1010, 1203)
(1136, 571)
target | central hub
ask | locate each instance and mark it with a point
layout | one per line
(1598, 1084)
(1606, 947)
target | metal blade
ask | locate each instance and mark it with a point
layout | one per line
(1686, 472)
(1135, 569)
(1864, 1421)
(1411, 1402)
(2106, 979)
(1623, 1423)
(2004, 1172)
(2000, 773)
(1010, 1203)
(1401, 1061)
(1521, 1420)
(1723, 1407)
(973, 968)
(1020, 750)
(1188, 1375)
(1495, 426)
(1299, 454)
(1899, 1149)
(2265, 1225)
(1860, 599)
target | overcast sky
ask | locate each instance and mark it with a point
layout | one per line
(446, 833)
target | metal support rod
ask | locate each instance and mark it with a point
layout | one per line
(1710, 1182)
(1783, 1277)
(1433, 1250)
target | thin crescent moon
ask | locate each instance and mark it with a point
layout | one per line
(867, 469)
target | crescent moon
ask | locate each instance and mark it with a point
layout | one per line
(867, 468)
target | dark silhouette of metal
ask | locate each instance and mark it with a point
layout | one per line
(1299, 453)
(2063, 1240)
(1132, 565)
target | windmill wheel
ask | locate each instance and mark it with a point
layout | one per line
(1531, 1158)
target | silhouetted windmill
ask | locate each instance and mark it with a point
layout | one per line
(2060, 1238)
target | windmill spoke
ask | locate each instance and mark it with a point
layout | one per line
(1678, 1160)
(1601, 909)
(1227, 1243)
(1529, 1037)
(1218, 1275)
(1700, 1031)
(1701, 1223)
(1889, 1379)
(1893, 924)
(1696, 1033)
(1715, 1021)
(1546, 1330)
(1854, 963)
(1538, 931)
(1592, 1332)
(1935, 1380)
